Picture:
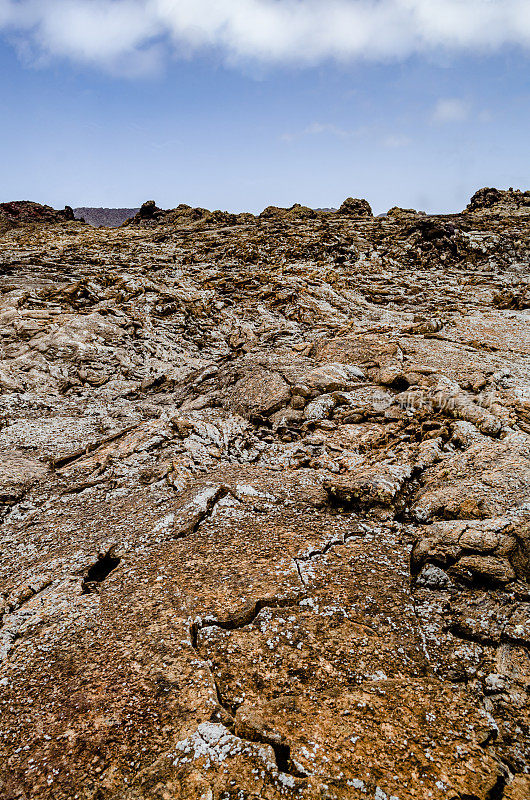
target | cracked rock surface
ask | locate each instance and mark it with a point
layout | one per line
(265, 504)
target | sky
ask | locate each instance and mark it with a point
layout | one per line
(240, 104)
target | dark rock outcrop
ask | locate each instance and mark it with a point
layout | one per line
(294, 212)
(25, 211)
(354, 207)
(397, 211)
(499, 200)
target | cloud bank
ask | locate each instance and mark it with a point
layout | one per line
(137, 35)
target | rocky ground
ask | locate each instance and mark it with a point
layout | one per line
(265, 496)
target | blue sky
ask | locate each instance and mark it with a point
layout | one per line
(229, 120)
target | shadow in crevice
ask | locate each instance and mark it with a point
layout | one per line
(97, 573)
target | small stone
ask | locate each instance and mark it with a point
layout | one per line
(298, 401)
(433, 577)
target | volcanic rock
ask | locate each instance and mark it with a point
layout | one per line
(25, 211)
(264, 504)
(500, 201)
(354, 207)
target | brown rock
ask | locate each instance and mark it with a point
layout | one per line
(261, 392)
(354, 207)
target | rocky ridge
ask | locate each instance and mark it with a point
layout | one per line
(105, 217)
(23, 212)
(265, 492)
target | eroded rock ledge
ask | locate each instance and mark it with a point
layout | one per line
(265, 502)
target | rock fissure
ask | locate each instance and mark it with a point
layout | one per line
(22, 597)
(200, 509)
(243, 618)
(72, 458)
(100, 570)
(282, 751)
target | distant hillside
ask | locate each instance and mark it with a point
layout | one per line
(107, 217)
(20, 212)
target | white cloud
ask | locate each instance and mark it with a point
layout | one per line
(450, 109)
(113, 32)
(121, 35)
(395, 140)
(319, 129)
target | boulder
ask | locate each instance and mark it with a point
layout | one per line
(354, 207)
